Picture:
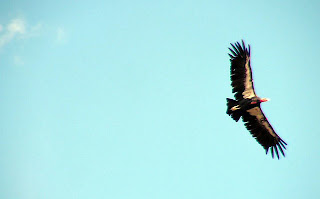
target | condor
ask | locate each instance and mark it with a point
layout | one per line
(247, 103)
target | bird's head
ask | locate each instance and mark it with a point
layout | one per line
(264, 99)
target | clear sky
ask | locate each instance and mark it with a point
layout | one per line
(126, 99)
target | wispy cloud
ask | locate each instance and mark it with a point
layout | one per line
(18, 28)
(17, 60)
(33, 31)
(61, 36)
(15, 27)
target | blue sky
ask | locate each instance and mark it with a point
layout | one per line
(126, 99)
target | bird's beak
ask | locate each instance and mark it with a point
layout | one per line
(264, 99)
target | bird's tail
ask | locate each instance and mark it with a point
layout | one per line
(234, 114)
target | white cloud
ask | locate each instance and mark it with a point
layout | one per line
(18, 28)
(33, 31)
(17, 60)
(15, 27)
(61, 35)
(36, 28)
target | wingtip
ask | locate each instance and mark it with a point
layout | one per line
(243, 44)
(272, 152)
(267, 151)
(240, 48)
(280, 148)
(234, 48)
(275, 151)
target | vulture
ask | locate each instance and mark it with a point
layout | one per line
(247, 103)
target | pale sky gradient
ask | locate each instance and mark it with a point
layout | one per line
(126, 100)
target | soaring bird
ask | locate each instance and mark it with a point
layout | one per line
(247, 103)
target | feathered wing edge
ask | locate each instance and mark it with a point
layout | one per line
(239, 50)
(241, 75)
(262, 131)
(279, 145)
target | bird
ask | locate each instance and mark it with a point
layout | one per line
(247, 104)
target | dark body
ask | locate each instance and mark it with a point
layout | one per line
(247, 103)
(242, 106)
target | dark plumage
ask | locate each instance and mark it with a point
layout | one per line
(247, 103)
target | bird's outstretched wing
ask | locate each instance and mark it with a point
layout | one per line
(241, 75)
(260, 128)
